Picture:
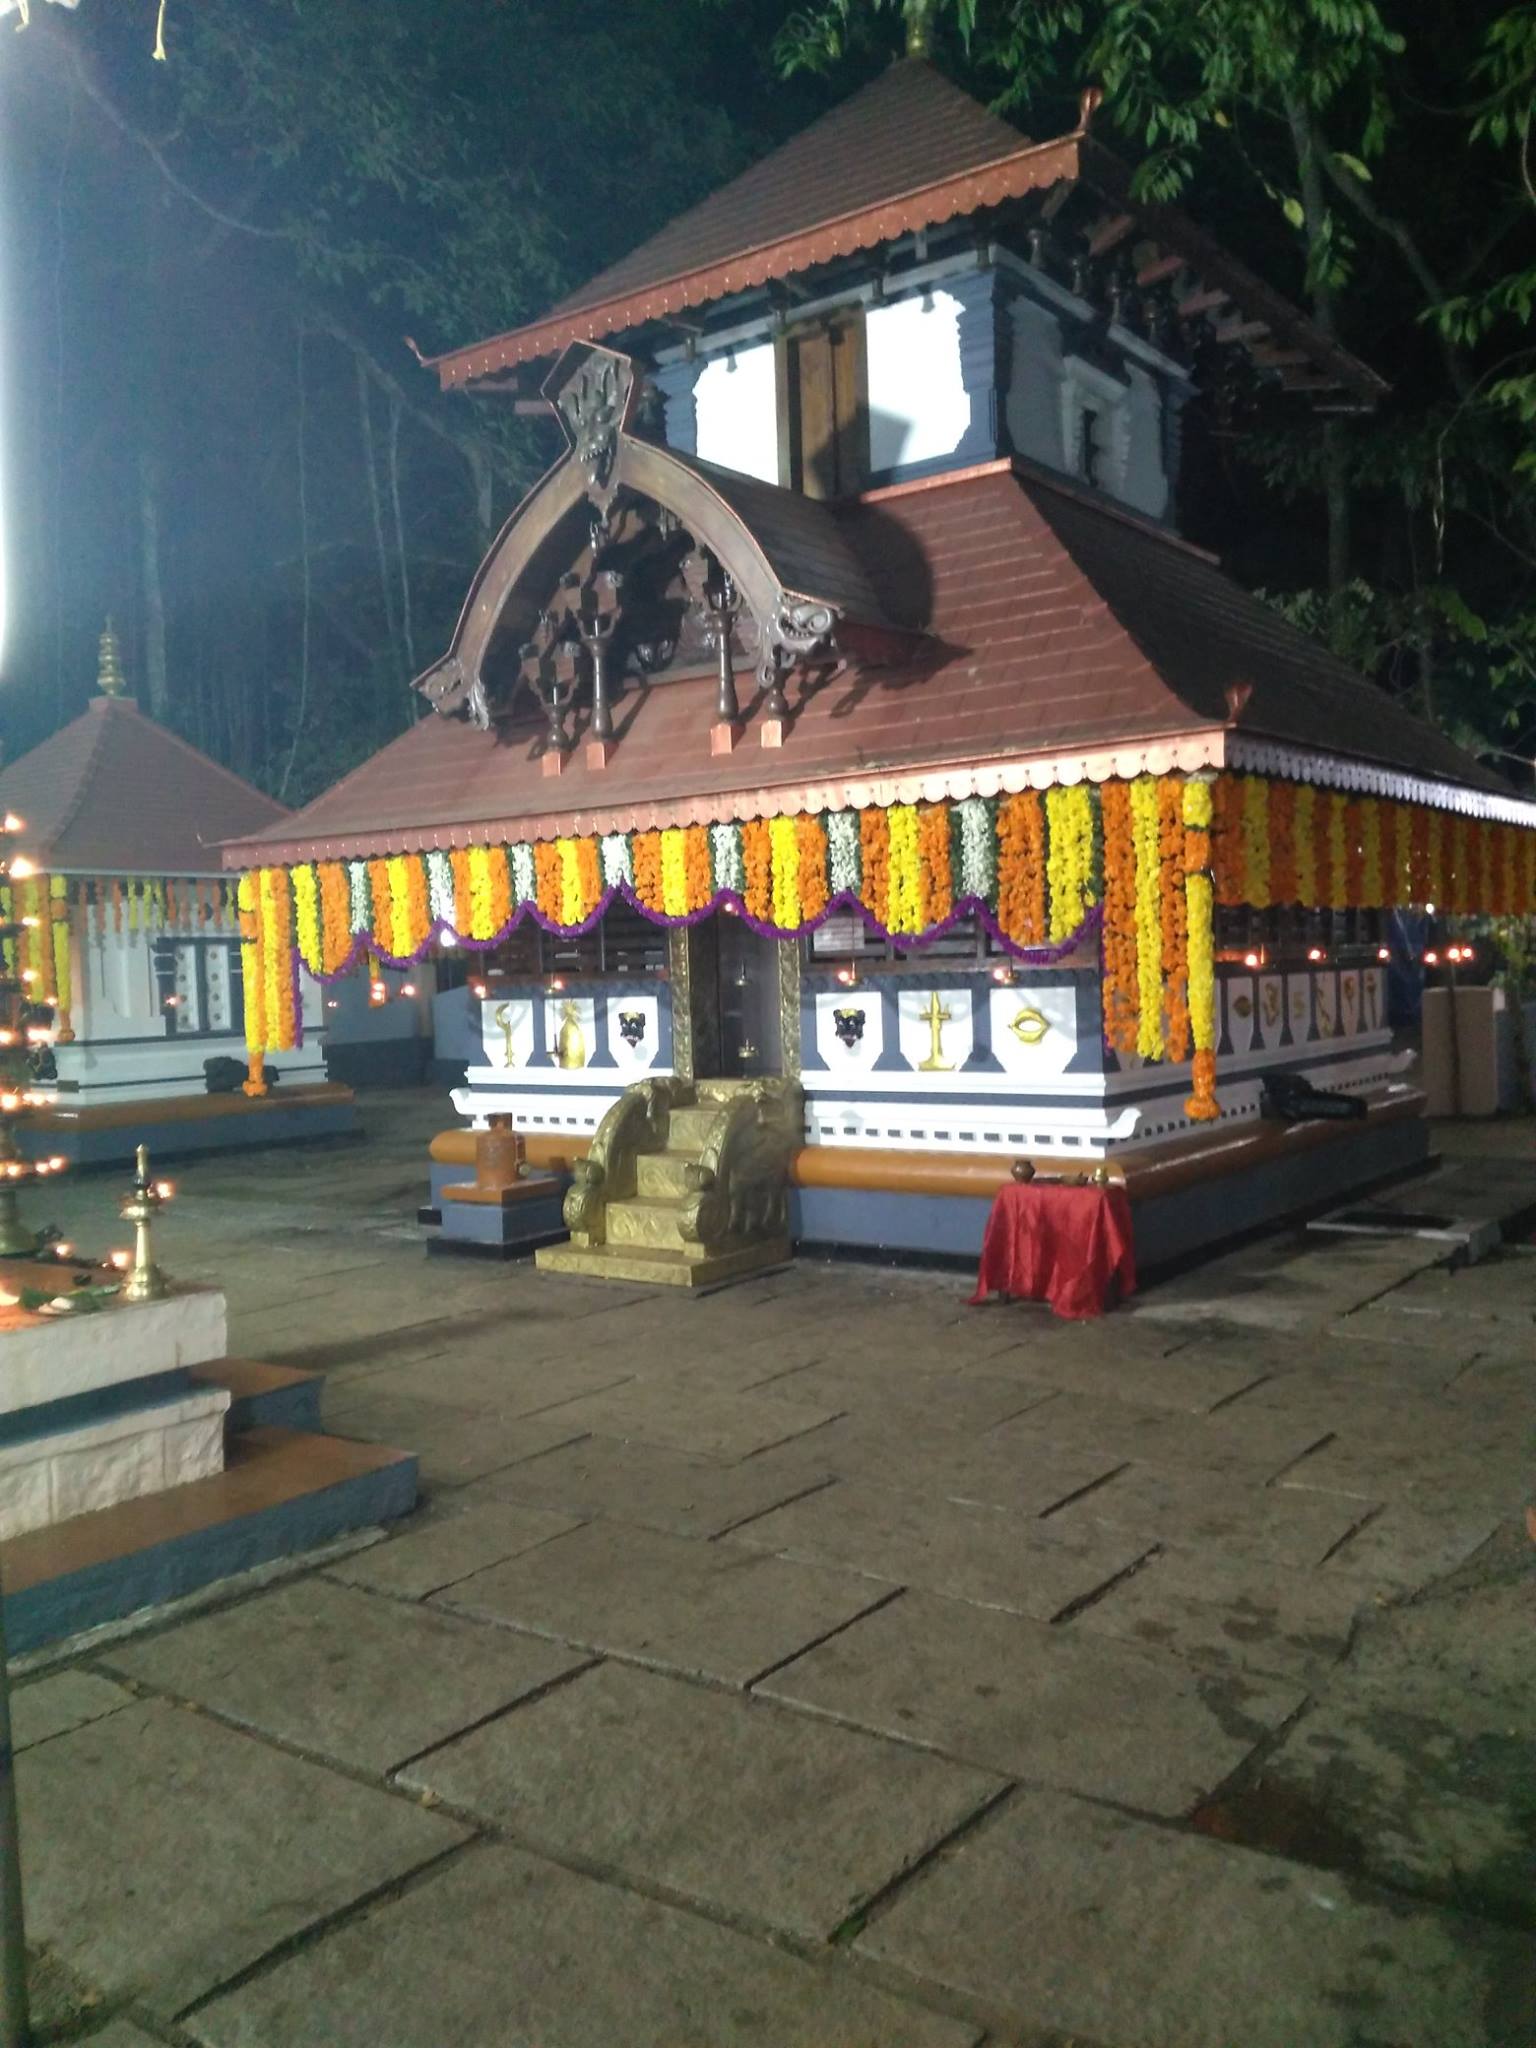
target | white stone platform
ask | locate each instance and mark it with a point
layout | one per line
(73, 1437)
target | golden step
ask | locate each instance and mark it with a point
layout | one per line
(654, 1224)
(662, 1268)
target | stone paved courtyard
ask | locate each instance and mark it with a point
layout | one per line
(823, 1664)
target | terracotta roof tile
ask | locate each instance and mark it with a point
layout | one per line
(112, 792)
(1058, 627)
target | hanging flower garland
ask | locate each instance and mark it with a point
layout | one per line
(674, 872)
(844, 868)
(1253, 829)
(1174, 918)
(246, 896)
(1199, 896)
(645, 851)
(875, 865)
(335, 915)
(1283, 886)
(1149, 940)
(978, 847)
(730, 876)
(306, 917)
(784, 863)
(279, 991)
(1069, 857)
(1227, 840)
(1354, 853)
(933, 848)
(63, 991)
(1021, 868)
(1373, 891)
(811, 844)
(907, 896)
(1121, 992)
(618, 865)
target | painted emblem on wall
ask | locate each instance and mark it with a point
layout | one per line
(1271, 1004)
(1349, 994)
(936, 1016)
(570, 1041)
(501, 1016)
(1372, 1002)
(1030, 1026)
(631, 1026)
(1242, 1006)
(849, 1026)
(1327, 1022)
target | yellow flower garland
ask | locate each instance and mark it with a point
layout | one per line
(1200, 904)
(573, 905)
(1145, 838)
(1069, 857)
(784, 859)
(1306, 845)
(58, 890)
(1375, 890)
(481, 910)
(306, 917)
(906, 885)
(402, 940)
(674, 872)
(247, 897)
(1255, 836)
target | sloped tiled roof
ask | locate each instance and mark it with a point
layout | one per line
(112, 792)
(908, 151)
(1057, 628)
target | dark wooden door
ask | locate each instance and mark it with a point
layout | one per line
(750, 1041)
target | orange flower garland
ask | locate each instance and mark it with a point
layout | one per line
(1120, 992)
(1226, 839)
(933, 860)
(1354, 854)
(647, 858)
(1322, 851)
(875, 858)
(378, 887)
(1391, 855)
(335, 915)
(546, 870)
(1021, 868)
(1282, 843)
(589, 876)
(1174, 917)
(1420, 862)
(812, 835)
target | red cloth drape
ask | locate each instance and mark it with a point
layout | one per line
(1069, 1246)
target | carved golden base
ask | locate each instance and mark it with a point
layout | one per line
(634, 1263)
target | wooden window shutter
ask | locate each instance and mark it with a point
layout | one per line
(824, 407)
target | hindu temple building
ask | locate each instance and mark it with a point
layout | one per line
(845, 781)
(132, 939)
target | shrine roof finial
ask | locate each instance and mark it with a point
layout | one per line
(110, 680)
(919, 28)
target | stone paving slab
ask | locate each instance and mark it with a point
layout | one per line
(704, 1424)
(1489, 1476)
(418, 1560)
(1404, 1547)
(659, 1489)
(982, 1554)
(508, 1383)
(1248, 1447)
(163, 1852)
(1074, 1711)
(765, 1816)
(965, 1401)
(453, 1446)
(1176, 1505)
(122, 2033)
(700, 1608)
(1120, 1362)
(1111, 1928)
(950, 1464)
(53, 1706)
(342, 1673)
(500, 1950)
(1230, 1613)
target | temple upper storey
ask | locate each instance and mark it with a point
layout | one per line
(911, 287)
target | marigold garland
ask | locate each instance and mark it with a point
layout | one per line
(255, 1082)
(306, 917)
(546, 880)
(1021, 868)
(1149, 941)
(1353, 826)
(1283, 887)
(933, 845)
(1069, 858)
(335, 924)
(1253, 831)
(811, 835)
(784, 863)
(907, 894)
(1372, 891)
(1121, 1000)
(58, 908)
(674, 872)
(875, 865)
(1227, 839)
(1199, 898)
(274, 921)
(1174, 914)
(589, 876)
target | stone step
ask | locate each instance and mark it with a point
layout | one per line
(656, 1224)
(281, 1491)
(689, 1129)
(258, 1394)
(663, 1176)
(633, 1263)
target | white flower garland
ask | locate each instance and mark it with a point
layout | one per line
(617, 865)
(978, 849)
(725, 856)
(525, 882)
(843, 857)
(440, 888)
(358, 898)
